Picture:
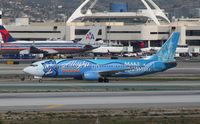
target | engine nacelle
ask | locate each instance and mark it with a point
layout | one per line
(91, 76)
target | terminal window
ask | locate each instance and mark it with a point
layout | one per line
(85, 31)
(81, 31)
(193, 42)
(193, 33)
(156, 43)
(159, 33)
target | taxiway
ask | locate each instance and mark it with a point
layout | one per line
(97, 100)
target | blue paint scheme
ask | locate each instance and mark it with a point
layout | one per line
(94, 69)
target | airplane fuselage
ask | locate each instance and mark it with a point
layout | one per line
(11, 46)
(92, 69)
(61, 48)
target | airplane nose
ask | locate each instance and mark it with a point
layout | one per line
(33, 71)
(27, 70)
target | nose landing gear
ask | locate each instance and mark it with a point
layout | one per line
(22, 78)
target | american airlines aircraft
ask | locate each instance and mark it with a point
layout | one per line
(101, 69)
(11, 46)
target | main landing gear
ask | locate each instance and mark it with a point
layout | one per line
(106, 80)
(40, 80)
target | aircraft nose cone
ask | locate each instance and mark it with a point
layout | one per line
(27, 70)
(34, 71)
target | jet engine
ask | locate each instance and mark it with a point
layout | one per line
(91, 76)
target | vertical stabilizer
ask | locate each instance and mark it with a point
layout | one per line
(5, 35)
(91, 36)
(1, 23)
(168, 50)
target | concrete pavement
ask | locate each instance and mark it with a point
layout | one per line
(94, 100)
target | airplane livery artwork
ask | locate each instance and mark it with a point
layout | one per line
(5, 35)
(101, 69)
(90, 36)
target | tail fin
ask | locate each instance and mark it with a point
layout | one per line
(91, 36)
(168, 50)
(5, 35)
(1, 23)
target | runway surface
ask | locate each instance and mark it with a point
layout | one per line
(97, 100)
(73, 85)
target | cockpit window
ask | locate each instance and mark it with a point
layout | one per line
(33, 65)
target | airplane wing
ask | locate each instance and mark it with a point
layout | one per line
(51, 51)
(24, 52)
(95, 75)
(110, 72)
(36, 50)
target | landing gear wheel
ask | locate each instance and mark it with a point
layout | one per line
(101, 80)
(30, 78)
(40, 80)
(22, 78)
(106, 80)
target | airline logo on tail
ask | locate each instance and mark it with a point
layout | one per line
(168, 50)
(6, 37)
(90, 36)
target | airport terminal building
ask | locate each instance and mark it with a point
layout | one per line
(119, 27)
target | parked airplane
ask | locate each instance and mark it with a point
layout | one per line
(11, 46)
(101, 69)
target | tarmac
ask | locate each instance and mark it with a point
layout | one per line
(84, 86)
(98, 100)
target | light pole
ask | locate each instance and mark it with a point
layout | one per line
(64, 16)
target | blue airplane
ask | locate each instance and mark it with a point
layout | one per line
(101, 69)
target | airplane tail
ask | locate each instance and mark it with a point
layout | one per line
(168, 50)
(1, 23)
(5, 35)
(90, 37)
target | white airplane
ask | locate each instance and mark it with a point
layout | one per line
(11, 46)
